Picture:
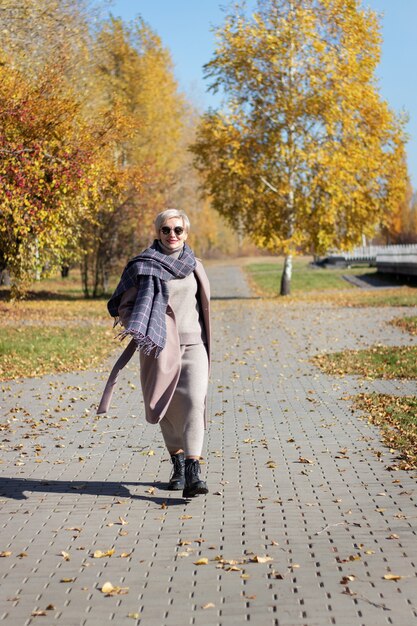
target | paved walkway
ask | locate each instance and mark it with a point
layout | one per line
(303, 520)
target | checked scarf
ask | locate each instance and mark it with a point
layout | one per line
(149, 272)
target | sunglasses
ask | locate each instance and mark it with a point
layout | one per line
(178, 230)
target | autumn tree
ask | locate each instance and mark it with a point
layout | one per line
(400, 226)
(133, 82)
(44, 157)
(46, 146)
(305, 154)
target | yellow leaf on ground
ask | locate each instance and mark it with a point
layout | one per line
(107, 587)
(261, 559)
(98, 554)
(67, 580)
(392, 577)
(109, 590)
(203, 561)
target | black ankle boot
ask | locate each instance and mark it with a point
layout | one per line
(193, 483)
(177, 479)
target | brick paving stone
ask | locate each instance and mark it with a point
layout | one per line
(73, 483)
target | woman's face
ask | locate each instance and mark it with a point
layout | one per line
(176, 236)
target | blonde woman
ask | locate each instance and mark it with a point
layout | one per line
(163, 302)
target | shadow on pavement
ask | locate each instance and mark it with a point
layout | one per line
(15, 489)
(213, 298)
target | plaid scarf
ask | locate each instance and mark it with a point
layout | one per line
(149, 272)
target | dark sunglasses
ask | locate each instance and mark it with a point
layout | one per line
(178, 230)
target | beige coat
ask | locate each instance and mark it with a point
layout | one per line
(159, 377)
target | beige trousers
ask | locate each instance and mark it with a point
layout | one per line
(183, 424)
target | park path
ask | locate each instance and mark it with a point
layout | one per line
(303, 519)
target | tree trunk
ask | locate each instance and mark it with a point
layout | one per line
(84, 276)
(286, 276)
(5, 277)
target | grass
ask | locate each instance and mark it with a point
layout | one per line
(266, 276)
(37, 350)
(408, 324)
(397, 419)
(375, 362)
(54, 330)
(324, 285)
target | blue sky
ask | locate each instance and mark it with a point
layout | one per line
(185, 28)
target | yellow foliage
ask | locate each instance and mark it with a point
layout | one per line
(306, 155)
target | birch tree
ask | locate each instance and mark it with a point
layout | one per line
(304, 154)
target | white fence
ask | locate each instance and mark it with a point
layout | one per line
(401, 259)
(398, 260)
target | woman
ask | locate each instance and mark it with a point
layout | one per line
(162, 301)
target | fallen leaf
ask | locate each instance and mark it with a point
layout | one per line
(65, 555)
(261, 559)
(134, 615)
(303, 459)
(186, 517)
(109, 590)
(347, 579)
(67, 580)
(392, 577)
(98, 554)
(122, 521)
(107, 587)
(209, 605)
(202, 561)
(5, 553)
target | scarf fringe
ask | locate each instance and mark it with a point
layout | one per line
(143, 342)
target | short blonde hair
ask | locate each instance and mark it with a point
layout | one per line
(164, 216)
